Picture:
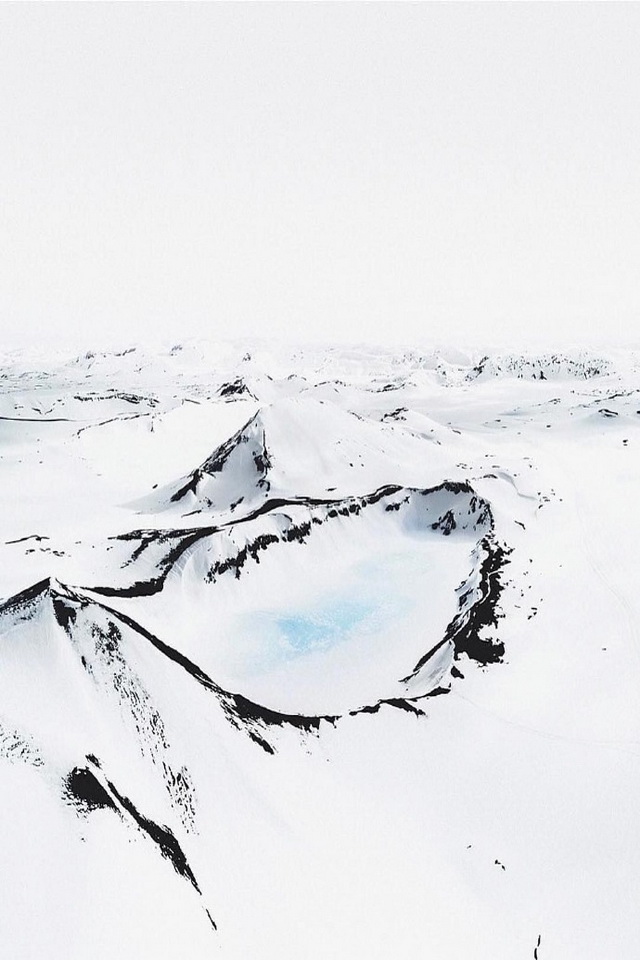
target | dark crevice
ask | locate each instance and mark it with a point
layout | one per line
(163, 837)
(32, 536)
(84, 790)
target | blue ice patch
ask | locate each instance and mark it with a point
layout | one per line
(323, 626)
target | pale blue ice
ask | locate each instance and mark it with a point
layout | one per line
(323, 625)
(377, 594)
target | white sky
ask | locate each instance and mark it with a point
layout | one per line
(391, 172)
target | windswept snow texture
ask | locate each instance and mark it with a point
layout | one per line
(319, 653)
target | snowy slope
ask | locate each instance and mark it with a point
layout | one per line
(319, 652)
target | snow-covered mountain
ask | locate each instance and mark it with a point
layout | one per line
(318, 653)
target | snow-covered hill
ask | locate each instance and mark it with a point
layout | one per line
(319, 653)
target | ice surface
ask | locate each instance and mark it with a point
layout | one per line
(331, 621)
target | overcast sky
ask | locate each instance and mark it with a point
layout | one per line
(392, 172)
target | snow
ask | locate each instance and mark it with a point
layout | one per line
(319, 652)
